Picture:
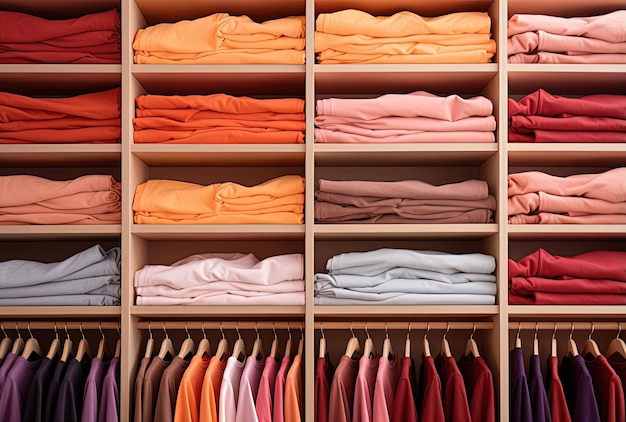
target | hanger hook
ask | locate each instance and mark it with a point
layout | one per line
(408, 333)
(150, 330)
(203, 332)
(119, 332)
(256, 329)
(222, 331)
(593, 328)
(519, 329)
(554, 332)
(274, 330)
(619, 329)
(322, 329)
(536, 329)
(571, 333)
(301, 331)
(29, 332)
(366, 330)
(100, 328)
(447, 330)
(427, 330)
(56, 332)
(386, 332)
(289, 330)
(473, 330)
(80, 327)
(7, 336)
(19, 335)
(67, 333)
(187, 330)
(351, 330)
(237, 328)
(165, 330)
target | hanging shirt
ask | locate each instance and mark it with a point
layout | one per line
(150, 388)
(387, 377)
(168, 390)
(538, 396)
(38, 391)
(342, 390)
(188, 398)
(429, 398)
(229, 390)
(53, 390)
(521, 410)
(211, 385)
(578, 388)
(7, 364)
(608, 390)
(556, 395)
(479, 386)
(455, 406)
(70, 399)
(324, 371)
(364, 389)
(15, 388)
(249, 388)
(141, 373)
(619, 365)
(279, 390)
(404, 402)
(264, 398)
(93, 390)
(293, 391)
(110, 401)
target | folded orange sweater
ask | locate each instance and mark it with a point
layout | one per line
(276, 201)
(221, 102)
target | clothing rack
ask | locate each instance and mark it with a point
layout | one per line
(60, 325)
(566, 326)
(215, 325)
(408, 325)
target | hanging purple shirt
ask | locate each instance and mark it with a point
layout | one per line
(15, 388)
(8, 362)
(520, 397)
(93, 390)
(578, 388)
(110, 402)
(35, 405)
(70, 400)
(538, 396)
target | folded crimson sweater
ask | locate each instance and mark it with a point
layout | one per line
(542, 103)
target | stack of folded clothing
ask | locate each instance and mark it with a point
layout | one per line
(90, 277)
(555, 39)
(542, 117)
(223, 279)
(88, 118)
(91, 199)
(221, 38)
(591, 278)
(406, 201)
(395, 118)
(276, 201)
(354, 36)
(540, 198)
(406, 277)
(218, 119)
(93, 38)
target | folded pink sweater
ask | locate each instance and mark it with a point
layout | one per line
(546, 57)
(549, 218)
(528, 42)
(426, 124)
(415, 104)
(530, 203)
(609, 186)
(609, 27)
(330, 136)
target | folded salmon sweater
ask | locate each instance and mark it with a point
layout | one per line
(221, 38)
(218, 119)
(451, 121)
(354, 36)
(407, 201)
(276, 201)
(93, 38)
(87, 118)
(92, 199)
(555, 39)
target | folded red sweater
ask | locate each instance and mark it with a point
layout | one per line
(542, 103)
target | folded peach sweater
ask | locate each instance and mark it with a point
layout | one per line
(221, 38)
(531, 203)
(528, 42)
(276, 201)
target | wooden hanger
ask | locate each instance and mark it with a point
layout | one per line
(166, 352)
(407, 343)
(68, 347)
(445, 346)
(83, 350)
(471, 348)
(387, 349)
(5, 344)
(572, 349)
(204, 347)
(301, 342)
(222, 347)
(55, 347)
(553, 351)
(118, 343)
(536, 340)
(426, 342)
(518, 339)
(257, 347)
(288, 344)
(617, 347)
(188, 347)
(102, 345)
(274, 347)
(353, 347)
(32, 349)
(149, 344)
(322, 352)
(18, 344)
(368, 348)
(239, 349)
(591, 349)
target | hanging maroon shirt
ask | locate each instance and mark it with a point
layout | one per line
(342, 390)
(455, 406)
(556, 396)
(608, 389)
(479, 386)
(429, 398)
(323, 374)
(404, 401)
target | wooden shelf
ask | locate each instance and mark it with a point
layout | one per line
(220, 155)
(531, 154)
(562, 79)
(403, 154)
(234, 79)
(225, 311)
(60, 232)
(61, 155)
(403, 231)
(219, 231)
(566, 231)
(394, 312)
(380, 78)
(566, 311)
(48, 312)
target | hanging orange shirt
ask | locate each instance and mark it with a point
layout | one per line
(293, 391)
(211, 390)
(189, 392)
